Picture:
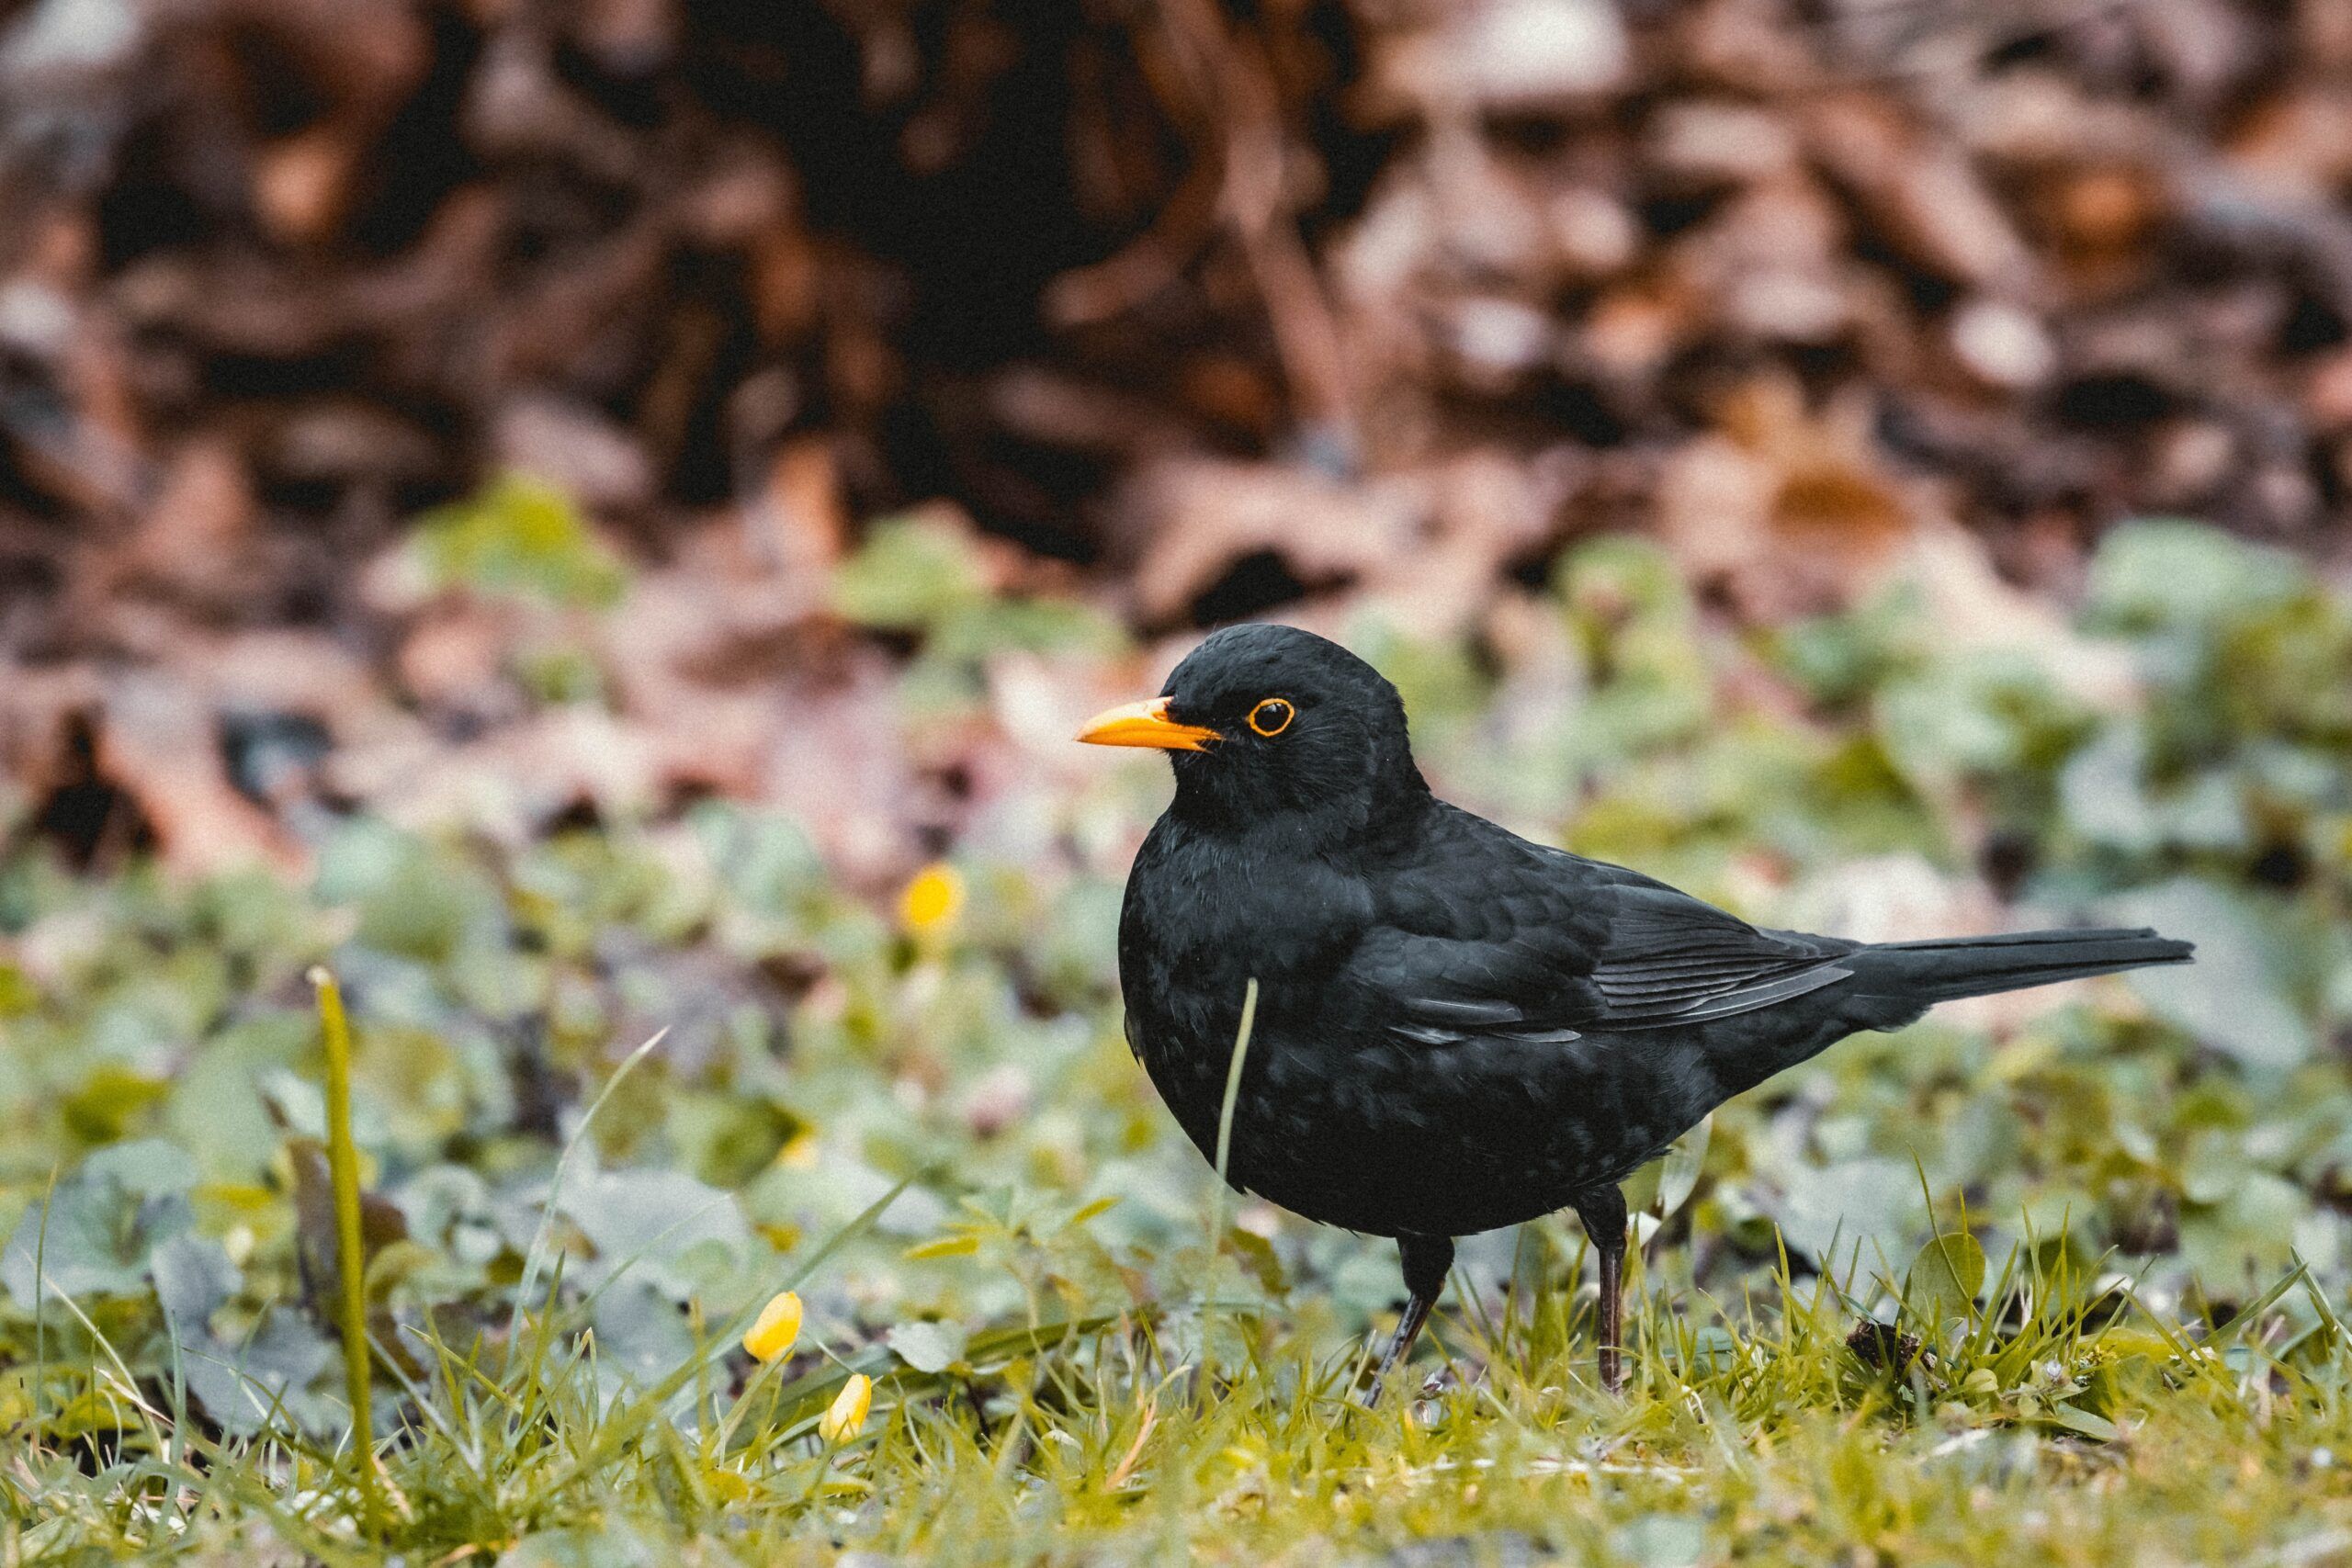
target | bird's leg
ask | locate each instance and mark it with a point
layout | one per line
(1400, 1343)
(1426, 1259)
(1612, 1313)
(1602, 1210)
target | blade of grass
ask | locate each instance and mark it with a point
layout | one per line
(562, 1165)
(40, 1299)
(122, 1370)
(351, 1263)
(1224, 1112)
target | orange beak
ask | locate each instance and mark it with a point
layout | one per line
(1146, 724)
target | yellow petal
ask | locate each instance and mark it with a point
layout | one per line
(932, 899)
(850, 1406)
(771, 1337)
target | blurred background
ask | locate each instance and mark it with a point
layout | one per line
(600, 517)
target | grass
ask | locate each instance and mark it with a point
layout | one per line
(2061, 1421)
(2063, 1284)
(2048, 1411)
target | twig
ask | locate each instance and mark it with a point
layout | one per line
(1231, 87)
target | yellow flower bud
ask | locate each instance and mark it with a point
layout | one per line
(932, 900)
(850, 1406)
(771, 1337)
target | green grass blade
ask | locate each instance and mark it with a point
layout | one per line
(351, 1261)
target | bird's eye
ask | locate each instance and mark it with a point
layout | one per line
(1271, 716)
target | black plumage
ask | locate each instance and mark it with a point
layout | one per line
(1457, 1029)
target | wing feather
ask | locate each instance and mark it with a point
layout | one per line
(1544, 946)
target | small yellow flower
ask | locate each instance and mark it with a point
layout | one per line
(770, 1339)
(932, 899)
(850, 1406)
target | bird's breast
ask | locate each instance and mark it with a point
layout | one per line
(1201, 920)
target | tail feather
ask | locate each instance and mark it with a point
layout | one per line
(1945, 970)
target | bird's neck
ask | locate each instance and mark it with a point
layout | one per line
(1394, 805)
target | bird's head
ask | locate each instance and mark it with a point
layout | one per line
(1265, 721)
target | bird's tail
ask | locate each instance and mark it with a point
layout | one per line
(1945, 970)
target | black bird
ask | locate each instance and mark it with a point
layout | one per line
(1457, 1029)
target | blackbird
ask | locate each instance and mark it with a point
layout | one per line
(1456, 1029)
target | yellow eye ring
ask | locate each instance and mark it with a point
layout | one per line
(1271, 716)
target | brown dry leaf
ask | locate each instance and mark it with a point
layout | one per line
(841, 767)
(2039, 120)
(1970, 606)
(2004, 345)
(1710, 140)
(301, 185)
(1788, 511)
(698, 651)
(286, 670)
(2327, 392)
(1773, 262)
(454, 659)
(1633, 329)
(159, 741)
(157, 734)
(1037, 404)
(728, 609)
(1199, 518)
(1922, 190)
(1505, 57)
(2300, 139)
(1487, 509)
(512, 782)
(364, 55)
(195, 541)
(38, 704)
(800, 516)
(2108, 208)
(599, 463)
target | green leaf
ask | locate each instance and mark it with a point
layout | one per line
(520, 537)
(1945, 1277)
(2096, 1427)
(655, 1224)
(267, 1380)
(1257, 1255)
(2232, 998)
(93, 1236)
(912, 573)
(1861, 1207)
(1661, 1541)
(928, 1346)
(2157, 574)
(17, 994)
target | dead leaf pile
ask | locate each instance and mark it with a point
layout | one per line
(1201, 310)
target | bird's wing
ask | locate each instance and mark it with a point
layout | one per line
(1520, 942)
(1672, 959)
